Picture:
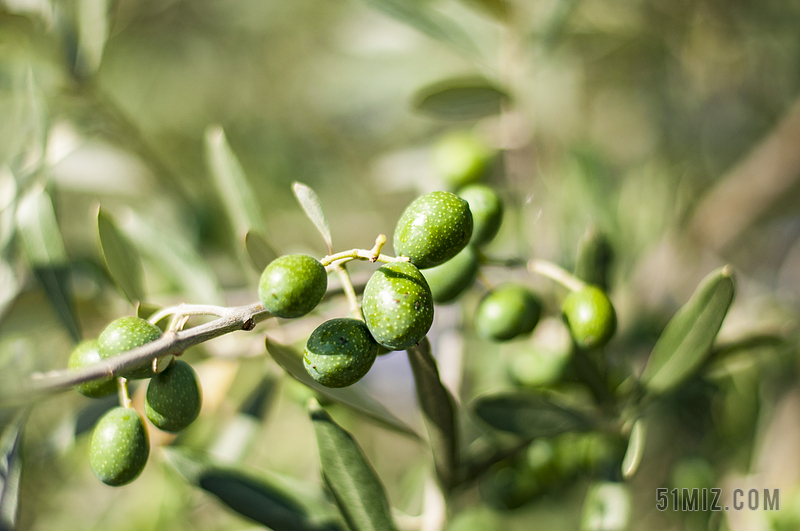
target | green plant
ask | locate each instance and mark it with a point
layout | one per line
(590, 316)
(120, 447)
(173, 397)
(124, 334)
(506, 312)
(292, 285)
(339, 352)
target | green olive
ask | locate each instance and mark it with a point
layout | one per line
(398, 306)
(461, 158)
(340, 352)
(487, 212)
(124, 334)
(590, 317)
(173, 397)
(506, 312)
(292, 285)
(450, 279)
(433, 229)
(120, 447)
(84, 355)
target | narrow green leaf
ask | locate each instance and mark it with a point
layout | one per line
(235, 190)
(121, 257)
(499, 9)
(687, 338)
(594, 258)
(355, 485)
(93, 30)
(259, 250)
(353, 397)
(438, 411)
(528, 414)
(145, 310)
(463, 98)
(312, 206)
(10, 471)
(44, 247)
(176, 258)
(423, 18)
(607, 507)
(635, 451)
(282, 504)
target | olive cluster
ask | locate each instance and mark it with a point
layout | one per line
(120, 446)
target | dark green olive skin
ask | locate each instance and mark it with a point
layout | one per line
(433, 229)
(124, 334)
(487, 212)
(398, 306)
(85, 354)
(452, 278)
(340, 352)
(590, 317)
(292, 285)
(173, 397)
(506, 312)
(119, 447)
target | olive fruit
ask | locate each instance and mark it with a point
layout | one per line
(292, 285)
(86, 354)
(340, 352)
(397, 306)
(448, 280)
(124, 334)
(487, 212)
(433, 229)
(590, 317)
(173, 397)
(506, 312)
(119, 447)
(461, 158)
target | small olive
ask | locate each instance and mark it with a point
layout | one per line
(461, 158)
(292, 285)
(450, 279)
(340, 352)
(85, 354)
(506, 312)
(487, 212)
(120, 447)
(173, 397)
(590, 317)
(124, 334)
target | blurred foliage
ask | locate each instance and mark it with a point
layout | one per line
(189, 120)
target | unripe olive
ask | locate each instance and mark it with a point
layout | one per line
(124, 334)
(506, 312)
(86, 354)
(487, 212)
(398, 306)
(340, 352)
(292, 285)
(119, 447)
(433, 229)
(173, 397)
(590, 317)
(448, 280)
(461, 158)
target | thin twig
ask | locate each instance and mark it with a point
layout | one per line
(347, 286)
(554, 272)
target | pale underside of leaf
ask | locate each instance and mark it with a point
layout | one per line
(312, 206)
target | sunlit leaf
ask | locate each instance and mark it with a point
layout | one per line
(259, 250)
(232, 185)
(280, 503)
(438, 410)
(635, 451)
(121, 257)
(41, 239)
(356, 487)
(10, 471)
(312, 206)
(467, 98)
(93, 29)
(607, 507)
(528, 414)
(354, 397)
(687, 338)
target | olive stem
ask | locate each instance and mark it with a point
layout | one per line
(188, 309)
(557, 273)
(124, 396)
(347, 286)
(362, 254)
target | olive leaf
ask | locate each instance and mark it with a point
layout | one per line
(259, 250)
(528, 414)
(93, 29)
(11, 471)
(635, 451)
(499, 9)
(687, 338)
(607, 507)
(558, 21)
(312, 206)
(356, 487)
(41, 240)
(438, 411)
(121, 257)
(292, 362)
(462, 98)
(282, 504)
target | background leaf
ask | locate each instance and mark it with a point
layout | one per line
(10, 471)
(438, 410)
(259, 250)
(292, 362)
(93, 29)
(687, 338)
(462, 98)
(44, 247)
(607, 507)
(499, 9)
(312, 206)
(528, 414)
(121, 257)
(635, 451)
(355, 486)
(280, 503)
